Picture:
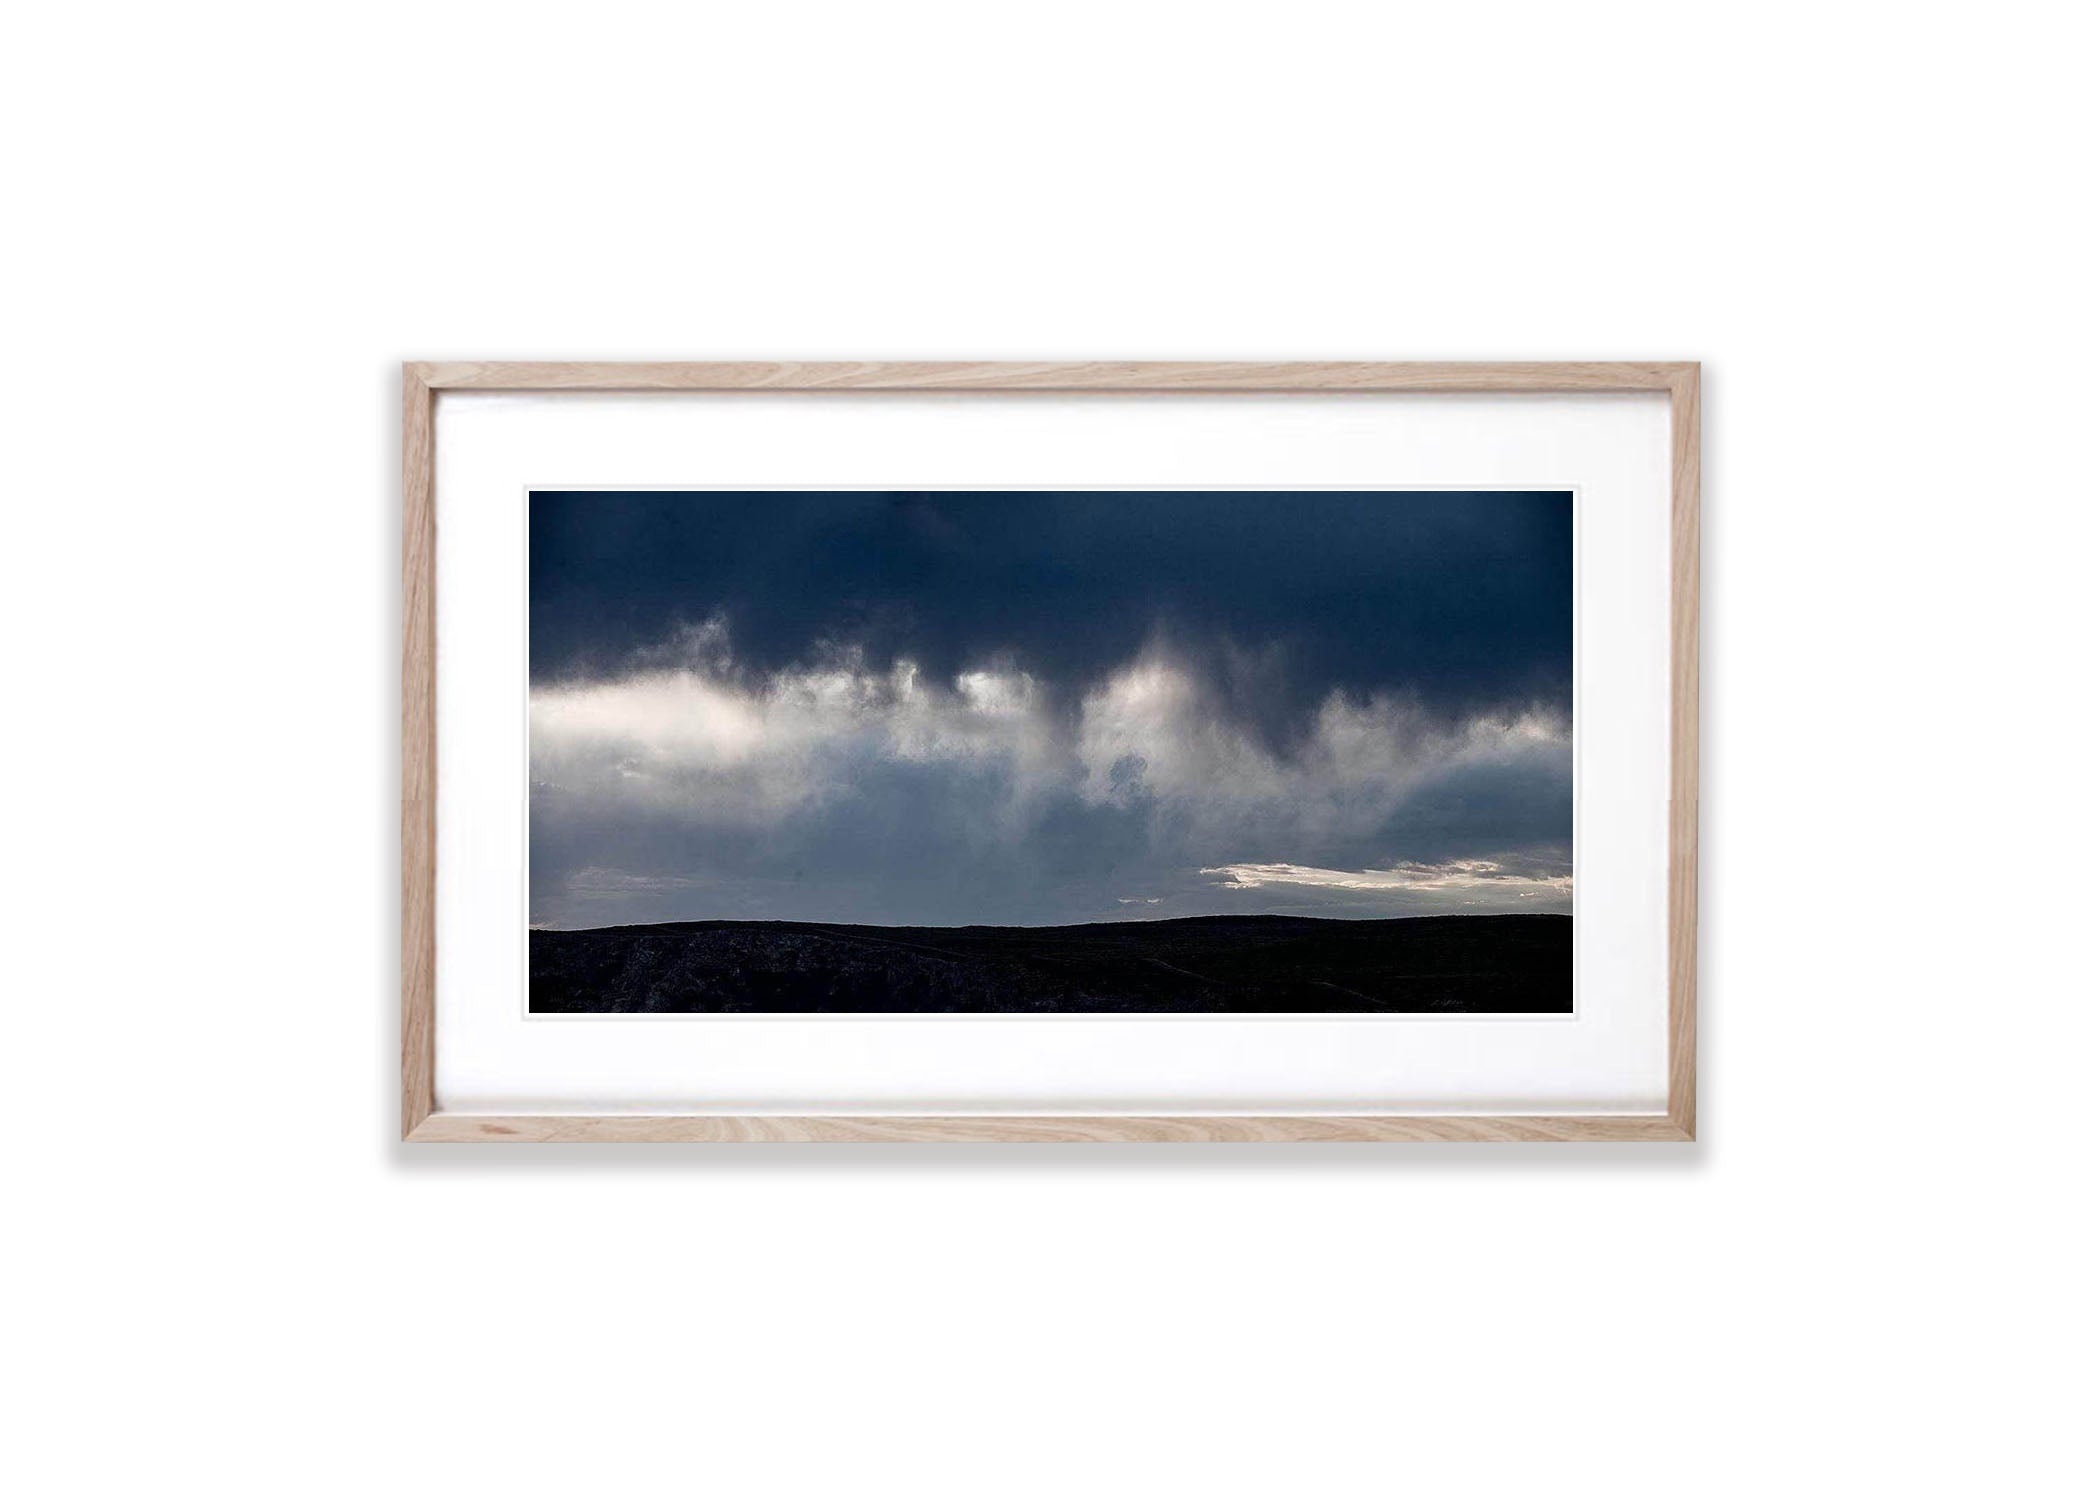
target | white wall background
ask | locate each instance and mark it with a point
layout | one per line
(227, 225)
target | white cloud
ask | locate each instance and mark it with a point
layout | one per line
(1458, 875)
(686, 737)
(684, 741)
(598, 880)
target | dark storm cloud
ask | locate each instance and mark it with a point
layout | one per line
(1272, 600)
(1031, 708)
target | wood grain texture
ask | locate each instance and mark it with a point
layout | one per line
(421, 382)
(418, 752)
(1039, 1129)
(1129, 378)
(1684, 751)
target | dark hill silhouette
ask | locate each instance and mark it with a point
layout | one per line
(1477, 965)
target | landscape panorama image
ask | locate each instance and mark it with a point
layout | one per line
(1021, 751)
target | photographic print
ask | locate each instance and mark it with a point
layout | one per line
(1025, 752)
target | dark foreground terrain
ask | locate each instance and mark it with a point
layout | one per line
(1481, 965)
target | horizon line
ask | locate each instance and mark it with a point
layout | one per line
(1429, 916)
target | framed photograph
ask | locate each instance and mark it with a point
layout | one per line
(1049, 752)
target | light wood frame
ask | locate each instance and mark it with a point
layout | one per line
(421, 383)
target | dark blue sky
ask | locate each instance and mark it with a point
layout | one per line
(1029, 706)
